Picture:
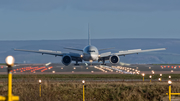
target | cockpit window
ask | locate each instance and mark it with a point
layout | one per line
(91, 51)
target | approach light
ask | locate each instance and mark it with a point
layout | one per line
(169, 77)
(159, 79)
(150, 76)
(160, 75)
(83, 81)
(10, 61)
(143, 74)
(169, 82)
(39, 81)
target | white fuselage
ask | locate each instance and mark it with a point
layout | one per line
(90, 53)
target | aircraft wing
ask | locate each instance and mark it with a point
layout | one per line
(134, 51)
(74, 56)
(50, 52)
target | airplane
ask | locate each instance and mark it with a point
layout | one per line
(90, 53)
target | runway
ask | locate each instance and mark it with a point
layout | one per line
(55, 68)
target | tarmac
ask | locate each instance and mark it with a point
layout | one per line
(96, 68)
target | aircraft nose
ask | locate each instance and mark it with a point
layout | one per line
(93, 56)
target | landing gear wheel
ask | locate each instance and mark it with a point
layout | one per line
(76, 64)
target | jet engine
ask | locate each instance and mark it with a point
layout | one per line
(114, 59)
(66, 60)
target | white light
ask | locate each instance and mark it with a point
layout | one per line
(160, 74)
(169, 77)
(169, 82)
(39, 81)
(143, 74)
(10, 60)
(81, 56)
(90, 61)
(159, 79)
(53, 71)
(83, 81)
(150, 76)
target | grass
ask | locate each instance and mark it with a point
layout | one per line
(27, 87)
(112, 91)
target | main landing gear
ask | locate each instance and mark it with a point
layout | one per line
(76, 63)
(103, 60)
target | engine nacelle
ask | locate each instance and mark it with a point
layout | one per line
(114, 59)
(66, 60)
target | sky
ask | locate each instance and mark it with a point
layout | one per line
(68, 19)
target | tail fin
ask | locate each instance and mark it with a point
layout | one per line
(89, 40)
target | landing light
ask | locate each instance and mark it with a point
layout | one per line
(91, 61)
(81, 56)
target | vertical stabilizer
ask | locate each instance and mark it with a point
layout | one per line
(89, 39)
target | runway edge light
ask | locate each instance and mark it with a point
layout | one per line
(83, 81)
(9, 62)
